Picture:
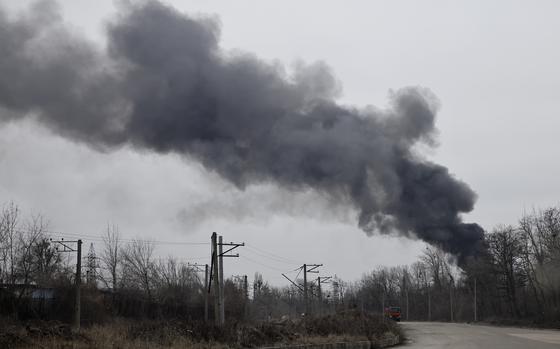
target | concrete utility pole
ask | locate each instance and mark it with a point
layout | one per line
(305, 298)
(207, 293)
(246, 293)
(451, 301)
(77, 305)
(219, 272)
(320, 295)
(322, 280)
(197, 268)
(221, 264)
(382, 306)
(407, 304)
(78, 281)
(405, 282)
(429, 305)
(475, 315)
(216, 277)
(308, 268)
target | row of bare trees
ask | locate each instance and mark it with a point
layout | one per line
(26, 255)
(516, 275)
(127, 274)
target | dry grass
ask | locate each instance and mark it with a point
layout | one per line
(125, 334)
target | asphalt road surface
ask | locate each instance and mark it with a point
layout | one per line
(465, 336)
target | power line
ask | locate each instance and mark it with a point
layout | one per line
(262, 264)
(261, 255)
(292, 261)
(100, 238)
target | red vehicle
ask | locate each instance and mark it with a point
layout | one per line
(393, 313)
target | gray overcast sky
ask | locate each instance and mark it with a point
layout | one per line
(493, 65)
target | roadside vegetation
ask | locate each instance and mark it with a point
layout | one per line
(126, 333)
(130, 297)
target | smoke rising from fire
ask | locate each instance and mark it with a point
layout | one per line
(164, 84)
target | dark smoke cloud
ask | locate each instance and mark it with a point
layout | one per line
(165, 85)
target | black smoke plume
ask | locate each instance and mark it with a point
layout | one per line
(164, 84)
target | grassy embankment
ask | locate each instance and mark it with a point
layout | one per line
(128, 334)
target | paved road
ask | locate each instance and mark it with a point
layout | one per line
(463, 336)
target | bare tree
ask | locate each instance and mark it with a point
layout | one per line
(26, 260)
(541, 231)
(8, 239)
(139, 267)
(111, 256)
(506, 248)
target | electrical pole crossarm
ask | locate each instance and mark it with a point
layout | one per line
(233, 247)
(197, 267)
(313, 267)
(64, 244)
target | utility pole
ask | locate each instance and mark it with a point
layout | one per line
(321, 280)
(451, 300)
(475, 315)
(206, 293)
(308, 268)
(77, 305)
(220, 253)
(246, 291)
(221, 264)
(216, 278)
(242, 282)
(429, 305)
(407, 304)
(382, 306)
(320, 295)
(198, 269)
(78, 280)
(305, 300)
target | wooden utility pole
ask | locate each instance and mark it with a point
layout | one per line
(216, 278)
(221, 264)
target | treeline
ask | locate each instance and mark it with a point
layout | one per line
(37, 276)
(515, 276)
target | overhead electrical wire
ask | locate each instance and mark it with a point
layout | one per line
(251, 249)
(100, 238)
(272, 255)
(261, 264)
